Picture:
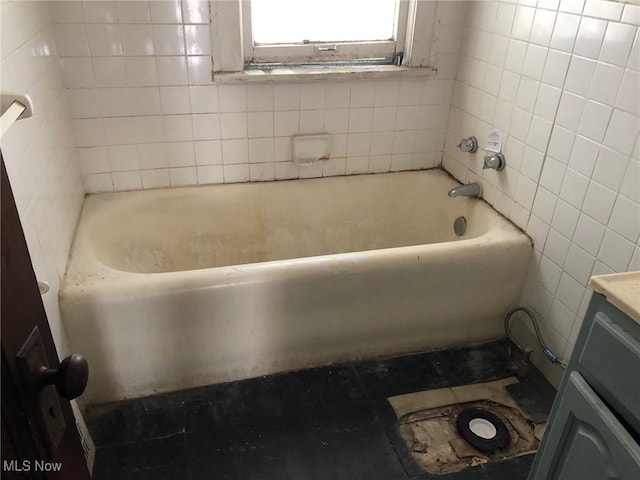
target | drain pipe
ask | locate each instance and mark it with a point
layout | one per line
(524, 364)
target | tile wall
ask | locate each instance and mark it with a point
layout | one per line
(146, 113)
(39, 152)
(560, 79)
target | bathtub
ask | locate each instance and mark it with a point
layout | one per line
(176, 288)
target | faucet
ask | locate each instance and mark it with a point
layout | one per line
(469, 190)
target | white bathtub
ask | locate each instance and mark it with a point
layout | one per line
(176, 288)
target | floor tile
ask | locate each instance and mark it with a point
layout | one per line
(159, 459)
(480, 363)
(396, 376)
(516, 468)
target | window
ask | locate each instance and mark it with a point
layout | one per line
(263, 35)
(324, 30)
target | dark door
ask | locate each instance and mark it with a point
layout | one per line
(39, 435)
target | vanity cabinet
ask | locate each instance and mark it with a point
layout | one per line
(594, 426)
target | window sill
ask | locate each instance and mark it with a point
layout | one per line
(321, 73)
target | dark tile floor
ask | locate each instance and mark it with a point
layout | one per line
(328, 423)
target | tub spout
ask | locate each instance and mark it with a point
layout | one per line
(469, 190)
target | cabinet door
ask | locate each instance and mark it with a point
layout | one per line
(586, 441)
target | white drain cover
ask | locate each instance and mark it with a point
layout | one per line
(482, 428)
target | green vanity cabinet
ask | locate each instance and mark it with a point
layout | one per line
(594, 427)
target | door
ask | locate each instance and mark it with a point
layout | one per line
(39, 435)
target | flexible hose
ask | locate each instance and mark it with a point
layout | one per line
(543, 345)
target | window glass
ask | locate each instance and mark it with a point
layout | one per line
(302, 21)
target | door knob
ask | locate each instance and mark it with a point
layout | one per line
(70, 378)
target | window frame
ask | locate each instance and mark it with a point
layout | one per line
(232, 49)
(323, 51)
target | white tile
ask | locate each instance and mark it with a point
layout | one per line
(66, 12)
(537, 230)
(260, 98)
(83, 103)
(561, 321)
(555, 68)
(206, 126)
(195, 11)
(552, 175)
(210, 174)
(287, 97)
(235, 151)
(262, 172)
(119, 130)
(336, 120)
(168, 39)
(166, 11)
(516, 53)
(232, 98)
(77, 72)
(570, 111)
(561, 144)
(361, 120)
(574, 188)
(588, 234)
(362, 94)
(175, 100)
(572, 6)
(629, 97)
(522, 22)
(625, 219)
(520, 122)
(177, 128)
(283, 150)
(615, 251)
(603, 9)
(287, 171)
(338, 95)
(311, 121)
(579, 264)
(180, 154)
(152, 156)
(183, 176)
(539, 133)
(127, 180)
(617, 44)
(527, 94)
(386, 93)
(610, 168)
(379, 163)
(133, 12)
(547, 102)
(584, 155)
(570, 292)
(88, 132)
(236, 173)
(233, 125)
(564, 32)
(606, 83)
(93, 160)
(172, 70)
(123, 158)
(260, 124)
(590, 37)
(100, 12)
(622, 132)
(312, 96)
(556, 247)
(287, 123)
(534, 61)
(358, 144)
(197, 40)
(598, 202)
(407, 117)
(579, 76)
(542, 27)
(357, 165)
(565, 218)
(334, 166)
(104, 40)
(634, 263)
(549, 274)
(208, 152)
(631, 14)
(631, 182)
(99, 182)
(137, 40)
(204, 99)
(594, 121)
(155, 178)
(149, 129)
(525, 191)
(544, 205)
(141, 71)
(382, 143)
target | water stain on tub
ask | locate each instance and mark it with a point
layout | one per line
(148, 260)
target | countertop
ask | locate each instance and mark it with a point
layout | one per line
(622, 290)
